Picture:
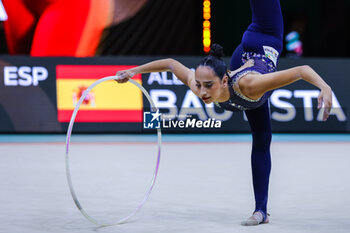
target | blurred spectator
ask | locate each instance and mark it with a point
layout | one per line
(62, 27)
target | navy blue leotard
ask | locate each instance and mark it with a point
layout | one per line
(238, 101)
(263, 38)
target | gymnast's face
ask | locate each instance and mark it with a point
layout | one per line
(209, 87)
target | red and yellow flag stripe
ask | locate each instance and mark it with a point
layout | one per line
(107, 102)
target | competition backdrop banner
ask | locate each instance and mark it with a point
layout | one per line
(38, 95)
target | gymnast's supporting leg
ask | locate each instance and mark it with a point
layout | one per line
(259, 120)
(260, 124)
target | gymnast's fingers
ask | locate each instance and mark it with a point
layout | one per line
(327, 109)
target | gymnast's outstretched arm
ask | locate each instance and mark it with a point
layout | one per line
(255, 85)
(182, 72)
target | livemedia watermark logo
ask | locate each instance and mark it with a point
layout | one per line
(155, 120)
(151, 120)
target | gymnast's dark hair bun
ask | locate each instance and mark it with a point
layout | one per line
(215, 61)
(216, 50)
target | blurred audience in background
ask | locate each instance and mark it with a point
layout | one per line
(162, 27)
(102, 27)
(62, 27)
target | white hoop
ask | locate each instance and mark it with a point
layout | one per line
(69, 132)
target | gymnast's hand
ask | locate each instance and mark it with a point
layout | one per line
(325, 99)
(124, 75)
(248, 63)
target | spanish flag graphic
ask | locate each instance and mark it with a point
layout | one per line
(109, 101)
